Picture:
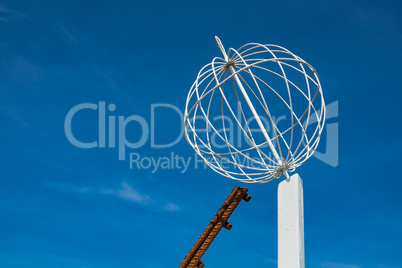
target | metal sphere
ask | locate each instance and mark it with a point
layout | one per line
(256, 113)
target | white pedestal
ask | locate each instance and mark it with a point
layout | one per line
(290, 223)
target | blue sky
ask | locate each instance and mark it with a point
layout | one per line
(63, 206)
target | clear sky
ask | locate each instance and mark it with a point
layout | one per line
(64, 206)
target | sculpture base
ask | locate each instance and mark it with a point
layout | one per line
(290, 223)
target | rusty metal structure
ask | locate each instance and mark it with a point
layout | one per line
(193, 258)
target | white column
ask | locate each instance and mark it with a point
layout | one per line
(290, 223)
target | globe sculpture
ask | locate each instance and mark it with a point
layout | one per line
(256, 113)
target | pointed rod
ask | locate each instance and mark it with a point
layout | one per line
(250, 104)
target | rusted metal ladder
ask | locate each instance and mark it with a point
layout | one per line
(193, 258)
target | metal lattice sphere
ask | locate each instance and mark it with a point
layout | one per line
(256, 113)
